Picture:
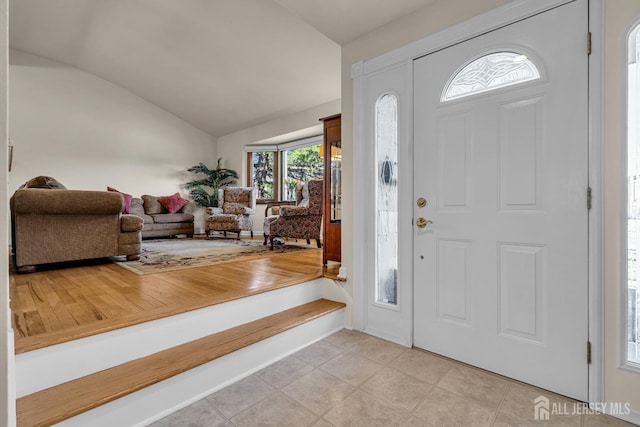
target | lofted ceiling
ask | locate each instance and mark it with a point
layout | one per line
(221, 65)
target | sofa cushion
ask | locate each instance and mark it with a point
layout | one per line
(137, 208)
(171, 218)
(146, 219)
(152, 206)
(43, 182)
(189, 208)
(127, 199)
(173, 203)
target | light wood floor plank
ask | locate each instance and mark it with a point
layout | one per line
(60, 304)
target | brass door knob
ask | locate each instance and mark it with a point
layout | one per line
(422, 223)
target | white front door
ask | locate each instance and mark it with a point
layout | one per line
(500, 275)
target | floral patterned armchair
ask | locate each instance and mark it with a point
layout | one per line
(303, 221)
(237, 205)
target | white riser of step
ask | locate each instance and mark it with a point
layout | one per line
(43, 368)
(153, 403)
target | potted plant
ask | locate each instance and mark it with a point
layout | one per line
(214, 179)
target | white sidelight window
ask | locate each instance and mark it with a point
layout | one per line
(386, 149)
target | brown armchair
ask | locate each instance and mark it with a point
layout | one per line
(56, 225)
(302, 221)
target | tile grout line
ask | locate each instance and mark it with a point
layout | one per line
(499, 408)
(248, 407)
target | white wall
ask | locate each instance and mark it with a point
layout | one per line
(89, 133)
(305, 123)
(620, 385)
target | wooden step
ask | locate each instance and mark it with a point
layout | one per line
(66, 400)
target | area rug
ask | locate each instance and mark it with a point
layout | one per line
(162, 255)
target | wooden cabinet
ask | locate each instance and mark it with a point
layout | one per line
(332, 212)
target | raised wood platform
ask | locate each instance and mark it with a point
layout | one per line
(95, 339)
(58, 403)
(58, 305)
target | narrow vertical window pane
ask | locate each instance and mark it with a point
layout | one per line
(386, 147)
(299, 165)
(633, 199)
(262, 174)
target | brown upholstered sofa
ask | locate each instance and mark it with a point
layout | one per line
(158, 222)
(52, 224)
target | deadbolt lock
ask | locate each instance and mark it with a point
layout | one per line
(422, 223)
(422, 202)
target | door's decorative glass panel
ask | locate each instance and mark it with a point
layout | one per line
(386, 150)
(633, 199)
(489, 72)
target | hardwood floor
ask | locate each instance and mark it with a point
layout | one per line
(83, 299)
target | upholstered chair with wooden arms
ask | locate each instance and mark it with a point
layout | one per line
(303, 221)
(235, 211)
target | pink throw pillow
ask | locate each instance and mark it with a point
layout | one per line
(127, 199)
(173, 203)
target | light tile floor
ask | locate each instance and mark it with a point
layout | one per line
(354, 379)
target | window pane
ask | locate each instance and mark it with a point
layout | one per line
(633, 199)
(335, 191)
(262, 177)
(386, 146)
(490, 72)
(299, 166)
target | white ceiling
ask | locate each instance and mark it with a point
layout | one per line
(346, 20)
(221, 65)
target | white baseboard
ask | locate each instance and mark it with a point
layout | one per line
(385, 335)
(632, 417)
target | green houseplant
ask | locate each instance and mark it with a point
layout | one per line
(213, 179)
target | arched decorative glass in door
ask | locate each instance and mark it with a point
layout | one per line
(488, 72)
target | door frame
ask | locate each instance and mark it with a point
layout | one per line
(7, 354)
(364, 229)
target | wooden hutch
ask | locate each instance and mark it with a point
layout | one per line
(332, 199)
